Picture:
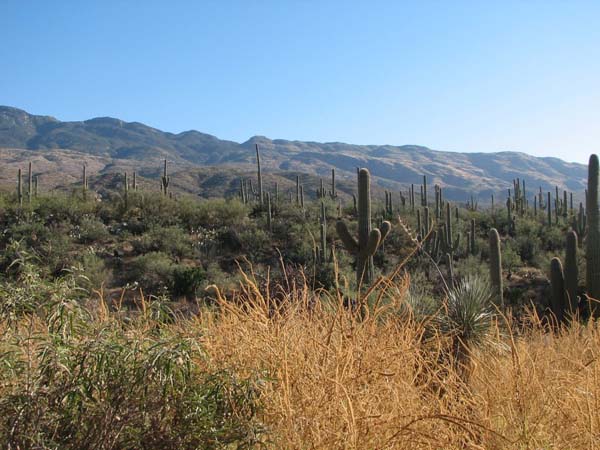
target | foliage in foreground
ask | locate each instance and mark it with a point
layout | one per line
(74, 377)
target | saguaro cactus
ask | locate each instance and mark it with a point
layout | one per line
(472, 238)
(29, 183)
(260, 183)
(165, 180)
(557, 280)
(126, 189)
(269, 213)
(449, 245)
(496, 266)
(333, 192)
(368, 239)
(20, 188)
(84, 182)
(592, 253)
(323, 234)
(571, 272)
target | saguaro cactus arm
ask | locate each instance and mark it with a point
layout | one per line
(348, 240)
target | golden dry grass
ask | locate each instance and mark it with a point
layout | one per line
(339, 382)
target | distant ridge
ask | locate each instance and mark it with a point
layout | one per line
(113, 143)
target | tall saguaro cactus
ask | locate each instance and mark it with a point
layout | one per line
(368, 239)
(165, 180)
(84, 182)
(592, 253)
(20, 188)
(29, 183)
(557, 281)
(570, 270)
(496, 266)
(260, 183)
(333, 192)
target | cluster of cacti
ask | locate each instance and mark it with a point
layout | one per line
(389, 205)
(472, 204)
(449, 243)
(368, 239)
(32, 185)
(519, 201)
(321, 192)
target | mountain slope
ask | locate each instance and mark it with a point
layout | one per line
(127, 145)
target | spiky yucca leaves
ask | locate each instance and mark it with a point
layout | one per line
(468, 315)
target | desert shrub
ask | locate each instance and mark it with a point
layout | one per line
(82, 383)
(91, 272)
(90, 230)
(212, 213)
(32, 234)
(186, 281)
(170, 240)
(152, 272)
(60, 208)
(158, 210)
(510, 257)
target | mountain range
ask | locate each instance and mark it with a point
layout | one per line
(107, 145)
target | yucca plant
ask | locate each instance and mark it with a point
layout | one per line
(467, 317)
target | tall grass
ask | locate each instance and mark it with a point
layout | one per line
(299, 370)
(342, 381)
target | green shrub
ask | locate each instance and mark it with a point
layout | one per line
(90, 230)
(170, 240)
(82, 383)
(91, 272)
(186, 281)
(152, 272)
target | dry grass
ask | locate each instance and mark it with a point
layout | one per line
(340, 382)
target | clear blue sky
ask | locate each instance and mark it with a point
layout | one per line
(466, 76)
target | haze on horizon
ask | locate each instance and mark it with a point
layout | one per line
(455, 76)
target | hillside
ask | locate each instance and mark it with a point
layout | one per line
(109, 145)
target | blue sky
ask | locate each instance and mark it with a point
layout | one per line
(450, 75)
